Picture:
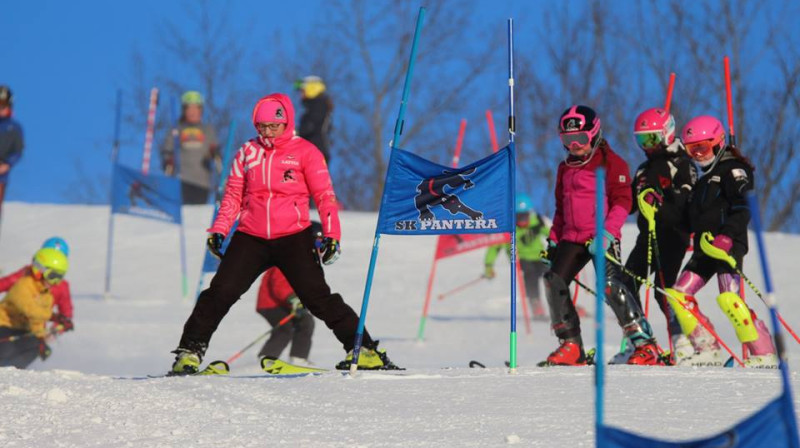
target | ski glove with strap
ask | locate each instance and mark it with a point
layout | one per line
(297, 308)
(329, 250)
(44, 350)
(607, 241)
(63, 323)
(214, 243)
(549, 253)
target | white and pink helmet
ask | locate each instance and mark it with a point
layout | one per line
(654, 129)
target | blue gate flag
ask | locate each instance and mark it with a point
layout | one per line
(147, 195)
(424, 198)
(769, 427)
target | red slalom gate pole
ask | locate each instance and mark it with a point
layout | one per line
(460, 288)
(492, 132)
(525, 313)
(729, 96)
(238, 354)
(671, 86)
(148, 136)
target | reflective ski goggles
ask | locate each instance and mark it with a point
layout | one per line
(649, 140)
(53, 277)
(700, 150)
(580, 138)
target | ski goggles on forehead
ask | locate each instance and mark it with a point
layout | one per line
(580, 138)
(649, 140)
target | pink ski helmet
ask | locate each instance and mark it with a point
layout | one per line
(702, 136)
(653, 129)
(578, 126)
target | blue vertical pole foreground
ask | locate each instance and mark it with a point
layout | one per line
(176, 145)
(220, 189)
(114, 157)
(755, 213)
(398, 129)
(511, 133)
(600, 273)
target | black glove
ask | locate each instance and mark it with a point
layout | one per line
(44, 350)
(329, 250)
(550, 252)
(214, 243)
(62, 323)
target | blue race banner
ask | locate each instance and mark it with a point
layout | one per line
(152, 196)
(424, 198)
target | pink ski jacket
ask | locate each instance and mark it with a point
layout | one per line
(576, 209)
(270, 183)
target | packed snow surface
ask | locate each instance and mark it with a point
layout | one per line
(94, 390)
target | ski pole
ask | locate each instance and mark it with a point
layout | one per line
(16, 337)
(460, 288)
(247, 347)
(705, 245)
(686, 307)
(660, 272)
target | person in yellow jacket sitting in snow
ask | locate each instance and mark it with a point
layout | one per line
(27, 307)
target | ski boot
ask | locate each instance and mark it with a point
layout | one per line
(569, 353)
(188, 359)
(186, 362)
(682, 347)
(624, 354)
(369, 358)
(762, 350)
(707, 351)
(647, 354)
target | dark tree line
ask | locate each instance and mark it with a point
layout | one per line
(615, 58)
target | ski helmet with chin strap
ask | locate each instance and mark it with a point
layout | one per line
(703, 136)
(654, 129)
(579, 125)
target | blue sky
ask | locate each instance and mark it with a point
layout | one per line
(67, 59)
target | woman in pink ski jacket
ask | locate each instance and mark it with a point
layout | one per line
(270, 182)
(573, 229)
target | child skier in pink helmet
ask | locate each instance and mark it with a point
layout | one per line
(719, 215)
(572, 232)
(662, 187)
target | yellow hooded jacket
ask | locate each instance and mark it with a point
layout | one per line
(27, 306)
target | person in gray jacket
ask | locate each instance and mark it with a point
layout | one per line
(199, 151)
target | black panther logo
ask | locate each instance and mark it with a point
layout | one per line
(431, 192)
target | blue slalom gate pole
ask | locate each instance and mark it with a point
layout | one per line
(398, 129)
(223, 177)
(512, 364)
(600, 273)
(181, 233)
(755, 212)
(114, 157)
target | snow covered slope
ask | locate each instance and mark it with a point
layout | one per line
(83, 396)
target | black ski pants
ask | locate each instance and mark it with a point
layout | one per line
(298, 331)
(569, 259)
(532, 272)
(672, 248)
(19, 353)
(246, 258)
